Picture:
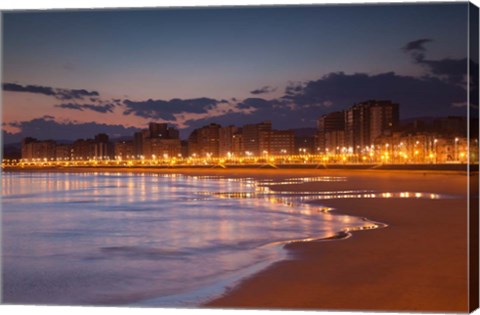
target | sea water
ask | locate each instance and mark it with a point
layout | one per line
(149, 239)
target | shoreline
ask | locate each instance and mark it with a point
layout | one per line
(417, 263)
(452, 167)
(402, 275)
(261, 173)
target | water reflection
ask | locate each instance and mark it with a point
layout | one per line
(116, 238)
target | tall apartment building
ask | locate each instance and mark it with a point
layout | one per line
(364, 122)
(331, 131)
(63, 152)
(276, 142)
(157, 141)
(237, 143)
(138, 140)
(99, 148)
(83, 149)
(35, 149)
(124, 149)
(157, 130)
(161, 148)
(251, 135)
(227, 137)
(204, 141)
(103, 148)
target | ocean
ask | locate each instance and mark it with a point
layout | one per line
(150, 239)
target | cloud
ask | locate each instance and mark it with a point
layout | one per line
(453, 70)
(61, 94)
(65, 94)
(263, 90)
(449, 69)
(106, 108)
(416, 96)
(416, 45)
(29, 89)
(185, 119)
(256, 103)
(48, 128)
(161, 109)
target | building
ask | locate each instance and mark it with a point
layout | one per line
(124, 150)
(157, 130)
(35, 149)
(276, 142)
(63, 152)
(453, 126)
(237, 143)
(227, 137)
(157, 148)
(83, 149)
(138, 139)
(103, 148)
(334, 142)
(251, 137)
(365, 122)
(331, 131)
(204, 142)
(158, 140)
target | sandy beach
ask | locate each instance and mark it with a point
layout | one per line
(417, 263)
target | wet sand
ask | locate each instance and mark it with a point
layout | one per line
(417, 263)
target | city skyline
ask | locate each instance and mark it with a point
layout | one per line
(189, 69)
(367, 132)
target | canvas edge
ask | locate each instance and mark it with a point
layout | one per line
(473, 193)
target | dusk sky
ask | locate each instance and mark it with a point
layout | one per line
(73, 74)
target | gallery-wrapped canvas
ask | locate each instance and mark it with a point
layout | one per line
(287, 157)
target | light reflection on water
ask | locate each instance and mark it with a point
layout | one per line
(113, 238)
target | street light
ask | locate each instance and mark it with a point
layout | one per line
(455, 152)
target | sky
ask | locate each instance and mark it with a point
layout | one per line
(72, 74)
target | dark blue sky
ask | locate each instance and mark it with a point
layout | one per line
(193, 66)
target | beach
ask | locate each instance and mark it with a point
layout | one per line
(418, 262)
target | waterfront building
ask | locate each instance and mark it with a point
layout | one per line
(63, 152)
(157, 141)
(158, 148)
(365, 122)
(204, 141)
(237, 143)
(276, 142)
(83, 149)
(35, 149)
(251, 137)
(157, 130)
(331, 129)
(138, 139)
(103, 148)
(124, 149)
(226, 140)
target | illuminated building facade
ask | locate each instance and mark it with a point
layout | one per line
(251, 137)
(365, 122)
(35, 149)
(331, 131)
(276, 142)
(227, 137)
(204, 142)
(124, 149)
